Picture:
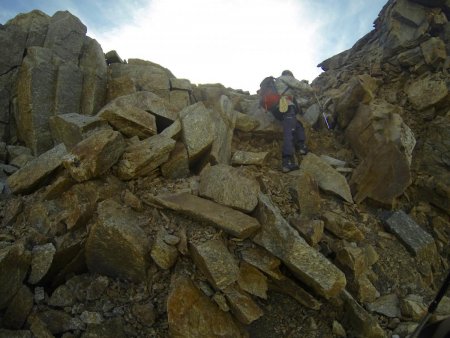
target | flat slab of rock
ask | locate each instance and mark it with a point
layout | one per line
(116, 245)
(227, 186)
(241, 157)
(326, 176)
(29, 177)
(142, 158)
(93, 156)
(308, 265)
(216, 262)
(231, 221)
(416, 240)
(191, 314)
(130, 121)
(144, 100)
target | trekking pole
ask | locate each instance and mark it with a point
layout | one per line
(322, 111)
(433, 306)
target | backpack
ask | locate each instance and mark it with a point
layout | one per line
(268, 94)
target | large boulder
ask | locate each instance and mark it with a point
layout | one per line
(224, 118)
(72, 128)
(427, 91)
(328, 178)
(37, 171)
(144, 100)
(191, 314)
(144, 157)
(197, 130)
(145, 75)
(284, 242)
(216, 262)
(228, 186)
(385, 143)
(94, 155)
(130, 121)
(116, 245)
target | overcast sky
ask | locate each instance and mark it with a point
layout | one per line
(233, 42)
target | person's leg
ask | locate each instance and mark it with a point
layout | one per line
(300, 138)
(289, 125)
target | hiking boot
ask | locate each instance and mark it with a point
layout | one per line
(288, 164)
(302, 149)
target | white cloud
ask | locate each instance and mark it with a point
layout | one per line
(235, 42)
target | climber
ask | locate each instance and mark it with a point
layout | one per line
(293, 132)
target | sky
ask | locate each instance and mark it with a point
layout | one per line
(233, 42)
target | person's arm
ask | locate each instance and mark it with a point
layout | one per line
(296, 84)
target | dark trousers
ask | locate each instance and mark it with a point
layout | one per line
(293, 132)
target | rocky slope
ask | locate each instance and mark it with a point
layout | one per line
(137, 204)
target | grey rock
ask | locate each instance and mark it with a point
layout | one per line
(362, 323)
(242, 305)
(163, 254)
(65, 36)
(387, 305)
(18, 309)
(418, 242)
(197, 130)
(36, 96)
(426, 92)
(116, 245)
(130, 121)
(233, 222)
(28, 178)
(227, 186)
(326, 176)
(224, 118)
(216, 262)
(144, 157)
(191, 314)
(241, 157)
(94, 155)
(14, 264)
(62, 297)
(94, 69)
(41, 261)
(280, 239)
(72, 128)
